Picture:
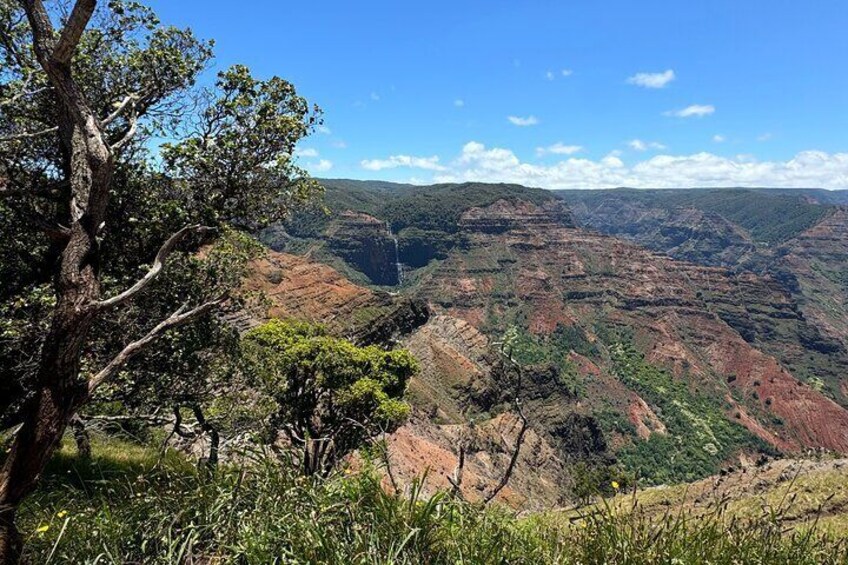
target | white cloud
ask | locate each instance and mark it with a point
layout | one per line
(340, 144)
(567, 72)
(306, 152)
(375, 97)
(477, 162)
(518, 121)
(550, 75)
(559, 148)
(718, 138)
(459, 102)
(321, 166)
(324, 130)
(652, 80)
(695, 110)
(639, 145)
(764, 137)
(406, 161)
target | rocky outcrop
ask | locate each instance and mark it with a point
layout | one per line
(400, 320)
(505, 215)
(366, 243)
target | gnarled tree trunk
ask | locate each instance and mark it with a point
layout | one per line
(60, 389)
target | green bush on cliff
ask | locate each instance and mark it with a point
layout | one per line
(329, 395)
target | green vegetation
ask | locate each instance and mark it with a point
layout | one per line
(434, 208)
(699, 437)
(328, 395)
(120, 507)
(769, 216)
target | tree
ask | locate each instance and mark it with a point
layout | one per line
(509, 375)
(83, 91)
(329, 395)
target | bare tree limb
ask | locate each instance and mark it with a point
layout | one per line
(519, 441)
(152, 419)
(119, 109)
(178, 318)
(506, 350)
(158, 263)
(23, 92)
(387, 461)
(72, 32)
(128, 135)
(456, 479)
(28, 135)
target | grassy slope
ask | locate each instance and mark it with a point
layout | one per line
(805, 493)
(120, 508)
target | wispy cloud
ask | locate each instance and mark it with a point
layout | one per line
(639, 145)
(695, 110)
(764, 137)
(375, 97)
(552, 75)
(559, 149)
(405, 161)
(652, 80)
(718, 138)
(324, 130)
(459, 102)
(523, 122)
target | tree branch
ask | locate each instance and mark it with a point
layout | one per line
(72, 32)
(514, 459)
(456, 479)
(154, 270)
(27, 135)
(505, 351)
(130, 133)
(178, 318)
(119, 108)
(42, 27)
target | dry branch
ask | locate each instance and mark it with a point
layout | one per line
(158, 263)
(178, 318)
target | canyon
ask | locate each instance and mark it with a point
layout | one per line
(664, 342)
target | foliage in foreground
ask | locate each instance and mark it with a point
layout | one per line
(119, 509)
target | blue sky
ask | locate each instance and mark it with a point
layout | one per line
(581, 94)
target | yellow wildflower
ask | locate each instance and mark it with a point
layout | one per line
(62, 513)
(42, 529)
(615, 485)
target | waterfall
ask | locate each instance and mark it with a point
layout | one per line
(398, 264)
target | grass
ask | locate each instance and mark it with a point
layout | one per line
(123, 508)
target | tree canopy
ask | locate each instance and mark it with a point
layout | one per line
(330, 395)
